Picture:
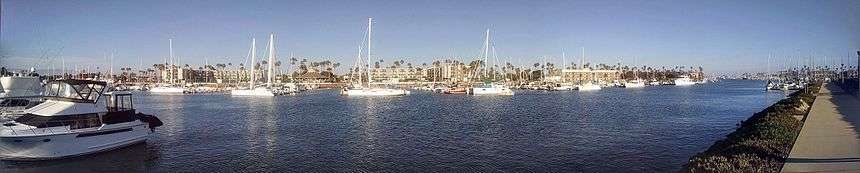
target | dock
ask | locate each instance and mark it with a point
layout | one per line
(830, 138)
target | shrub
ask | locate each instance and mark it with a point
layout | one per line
(762, 142)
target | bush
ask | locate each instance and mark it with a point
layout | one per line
(762, 142)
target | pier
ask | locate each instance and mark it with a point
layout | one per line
(830, 138)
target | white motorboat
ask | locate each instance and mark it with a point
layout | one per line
(684, 81)
(17, 86)
(361, 89)
(589, 87)
(18, 94)
(70, 123)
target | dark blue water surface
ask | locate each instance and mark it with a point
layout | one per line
(652, 129)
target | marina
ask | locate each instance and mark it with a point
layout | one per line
(429, 86)
(319, 130)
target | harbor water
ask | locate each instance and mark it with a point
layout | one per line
(652, 129)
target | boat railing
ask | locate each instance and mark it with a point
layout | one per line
(47, 127)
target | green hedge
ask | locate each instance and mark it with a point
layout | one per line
(762, 142)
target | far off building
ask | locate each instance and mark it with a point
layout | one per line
(579, 76)
(182, 75)
(397, 75)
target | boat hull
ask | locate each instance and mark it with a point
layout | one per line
(633, 85)
(253, 92)
(492, 91)
(588, 88)
(375, 92)
(57, 146)
(167, 90)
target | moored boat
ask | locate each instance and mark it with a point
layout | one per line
(70, 123)
(684, 81)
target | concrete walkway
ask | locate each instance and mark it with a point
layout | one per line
(830, 138)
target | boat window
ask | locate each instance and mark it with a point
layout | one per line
(119, 117)
(89, 92)
(119, 102)
(73, 121)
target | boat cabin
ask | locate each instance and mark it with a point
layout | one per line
(69, 105)
(81, 91)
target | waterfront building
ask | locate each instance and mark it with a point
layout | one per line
(586, 74)
(396, 75)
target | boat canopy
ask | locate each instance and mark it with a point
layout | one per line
(87, 91)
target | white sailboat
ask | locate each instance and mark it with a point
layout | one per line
(637, 83)
(361, 89)
(489, 87)
(170, 87)
(588, 86)
(253, 90)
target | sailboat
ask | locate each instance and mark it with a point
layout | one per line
(170, 87)
(489, 87)
(637, 83)
(253, 90)
(362, 89)
(588, 86)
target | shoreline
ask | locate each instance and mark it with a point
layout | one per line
(762, 142)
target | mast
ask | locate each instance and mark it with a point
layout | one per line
(563, 60)
(170, 66)
(486, 51)
(253, 64)
(495, 61)
(358, 67)
(582, 58)
(369, 32)
(271, 59)
(110, 75)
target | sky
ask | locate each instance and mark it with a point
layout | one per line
(721, 36)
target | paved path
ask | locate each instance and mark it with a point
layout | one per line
(830, 138)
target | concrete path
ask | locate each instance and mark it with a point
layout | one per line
(830, 138)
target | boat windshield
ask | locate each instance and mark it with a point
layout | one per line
(75, 90)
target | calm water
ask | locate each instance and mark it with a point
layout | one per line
(653, 129)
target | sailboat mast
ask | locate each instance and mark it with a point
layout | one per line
(271, 59)
(369, 32)
(253, 64)
(170, 61)
(636, 63)
(358, 66)
(486, 51)
(582, 58)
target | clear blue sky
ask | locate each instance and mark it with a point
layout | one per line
(722, 36)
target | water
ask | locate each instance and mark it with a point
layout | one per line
(653, 129)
